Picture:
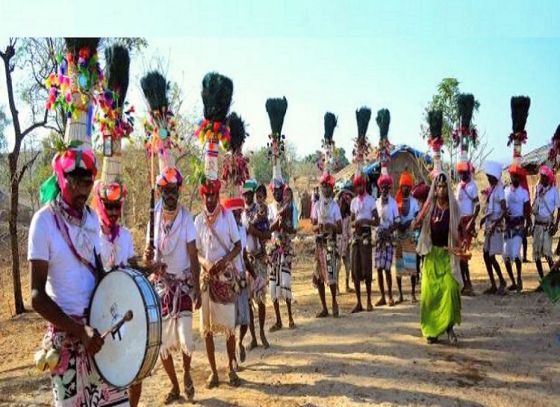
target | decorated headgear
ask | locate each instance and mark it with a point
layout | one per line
(328, 179)
(114, 122)
(435, 139)
(421, 191)
(547, 172)
(383, 152)
(73, 88)
(235, 167)
(234, 203)
(210, 187)
(169, 175)
(385, 180)
(361, 144)
(493, 168)
(107, 193)
(250, 185)
(555, 149)
(465, 135)
(406, 179)
(213, 131)
(519, 113)
(160, 125)
(276, 109)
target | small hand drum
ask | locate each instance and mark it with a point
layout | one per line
(132, 344)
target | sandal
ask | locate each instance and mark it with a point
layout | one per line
(172, 396)
(234, 380)
(264, 341)
(212, 381)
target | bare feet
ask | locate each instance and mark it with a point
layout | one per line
(242, 354)
(451, 336)
(189, 389)
(324, 313)
(414, 300)
(212, 381)
(276, 327)
(400, 300)
(172, 396)
(264, 342)
(380, 302)
(253, 344)
(512, 287)
(234, 380)
(369, 307)
(501, 290)
(391, 302)
(335, 311)
(292, 324)
(357, 308)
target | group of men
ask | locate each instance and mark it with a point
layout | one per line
(218, 262)
(344, 227)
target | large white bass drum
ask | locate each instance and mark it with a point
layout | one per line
(131, 351)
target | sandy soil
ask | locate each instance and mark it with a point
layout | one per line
(508, 355)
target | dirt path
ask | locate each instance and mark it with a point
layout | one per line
(509, 355)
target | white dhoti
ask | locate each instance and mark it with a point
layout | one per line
(216, 318)
(542, 242)
(512, 248)
(176, 333)
(494, 243)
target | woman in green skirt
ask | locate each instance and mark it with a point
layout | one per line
(440, 305)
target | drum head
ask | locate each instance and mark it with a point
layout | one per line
(123, 353)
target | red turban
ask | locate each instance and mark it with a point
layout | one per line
(516, 169)
(210, 187)
(328, 179)
(359, 180)
(421, 191)
(234, 203)
(385, 180)
(464, 167)
(547, 172)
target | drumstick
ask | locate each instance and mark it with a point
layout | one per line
(127, 317)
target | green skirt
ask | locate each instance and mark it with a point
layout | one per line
(440, 305)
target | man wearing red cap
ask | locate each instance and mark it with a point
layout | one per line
(547, 202)
(386, 218)
(518, 221)
(327, 224)
(219, 244)
(178, 283)
(63, 254)
(408, 209)
(469, 207)
(362, 207)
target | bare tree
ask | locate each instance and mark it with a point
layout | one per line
(17, 171)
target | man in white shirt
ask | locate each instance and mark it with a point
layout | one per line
(386, 218)
(280, 214)
(547, 202)
(361, 208)
(518, 221)
(327, 224)
(257, 257)
(344, 239)
(493, 221)
(178, 284)
(219, 244)
(469, 207)
(65, 266)
(408, 209)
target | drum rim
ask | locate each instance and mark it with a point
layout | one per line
(147, 320)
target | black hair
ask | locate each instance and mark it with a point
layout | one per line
(79, 173)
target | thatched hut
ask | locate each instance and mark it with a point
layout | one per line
(402, 157)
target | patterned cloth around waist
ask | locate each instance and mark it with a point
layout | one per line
(175, 294)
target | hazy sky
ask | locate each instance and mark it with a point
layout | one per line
(337, 56)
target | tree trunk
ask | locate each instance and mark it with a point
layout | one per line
(12, 222)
